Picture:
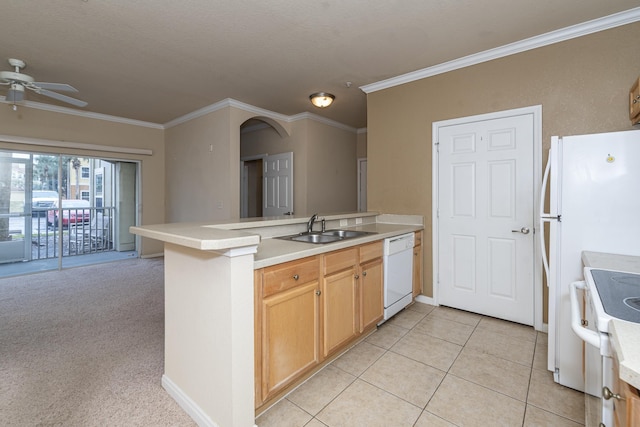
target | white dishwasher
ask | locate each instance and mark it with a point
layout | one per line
(398, 273)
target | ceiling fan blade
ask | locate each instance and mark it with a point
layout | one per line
(14, 95)
(54, 86)
(63, 98)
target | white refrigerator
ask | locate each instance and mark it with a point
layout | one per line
(594, 196)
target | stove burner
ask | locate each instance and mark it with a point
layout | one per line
(626, 279)
(633, 302)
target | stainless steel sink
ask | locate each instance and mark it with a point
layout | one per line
(346, 234)
(315, 238)
(329, 236)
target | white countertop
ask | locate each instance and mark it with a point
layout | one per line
(625, 336)
(275, 251)
(261, 232)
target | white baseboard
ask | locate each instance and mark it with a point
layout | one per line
(426, 300)
(185, 402)
(156, 255)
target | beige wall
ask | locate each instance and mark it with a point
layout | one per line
(203, 165)
(197, 169)
(40, 124)
(331, 169)
(268, 141)
(324, 164)
(361, 145)
(582, 85)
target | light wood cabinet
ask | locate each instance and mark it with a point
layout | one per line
(371, 296)
(417, 264)
(634, 103)
(371, 285)
(288, 324)
(352, 300)
(339, 299)
(626, 405)
(310, 309)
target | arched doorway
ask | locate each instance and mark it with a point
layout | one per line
(265, 191)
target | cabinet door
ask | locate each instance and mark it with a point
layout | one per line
(417, 270)
(371, 296)
(339, 309)
(290, 336)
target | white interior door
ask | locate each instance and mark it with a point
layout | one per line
(278, 185)
(485, 202)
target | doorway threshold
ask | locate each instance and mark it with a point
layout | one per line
(39, 266)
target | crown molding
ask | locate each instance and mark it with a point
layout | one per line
(258, 112)
(317, 118)
(228, 102)
(197, 113)
(86, 114)
(574, 31)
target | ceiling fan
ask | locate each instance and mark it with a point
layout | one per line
(18, 81)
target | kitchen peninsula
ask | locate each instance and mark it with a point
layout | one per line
(209, 301)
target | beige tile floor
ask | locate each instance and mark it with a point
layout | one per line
(435, 366)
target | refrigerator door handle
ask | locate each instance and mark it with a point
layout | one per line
(544, 218)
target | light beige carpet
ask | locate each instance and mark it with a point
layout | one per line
(84, 347)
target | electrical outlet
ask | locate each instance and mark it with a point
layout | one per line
(219, 204)
(343, 223)
(358, 221)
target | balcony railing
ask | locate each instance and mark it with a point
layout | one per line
(84, 231)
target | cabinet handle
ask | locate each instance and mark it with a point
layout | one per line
(318, 292)
(608, 394)
(296, 277)
(357, 277)
(364, 273)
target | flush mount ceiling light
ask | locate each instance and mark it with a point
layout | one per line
(321, 99)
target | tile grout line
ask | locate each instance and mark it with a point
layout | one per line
(385, 351)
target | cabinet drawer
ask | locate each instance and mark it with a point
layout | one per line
(340, 260)
(370, 251)
(285, 276)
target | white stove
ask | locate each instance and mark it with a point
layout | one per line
(610, 295)
(618, 295)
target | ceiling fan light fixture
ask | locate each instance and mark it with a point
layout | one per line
(15, 93)
(321, 99)
(18, 82)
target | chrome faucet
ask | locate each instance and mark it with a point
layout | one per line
(310, 222)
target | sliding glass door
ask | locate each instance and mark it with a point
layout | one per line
(15, 208)
(59, 211)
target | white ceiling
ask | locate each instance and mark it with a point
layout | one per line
(157, 60)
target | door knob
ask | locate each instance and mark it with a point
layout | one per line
(608, 394)
(523, 230)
